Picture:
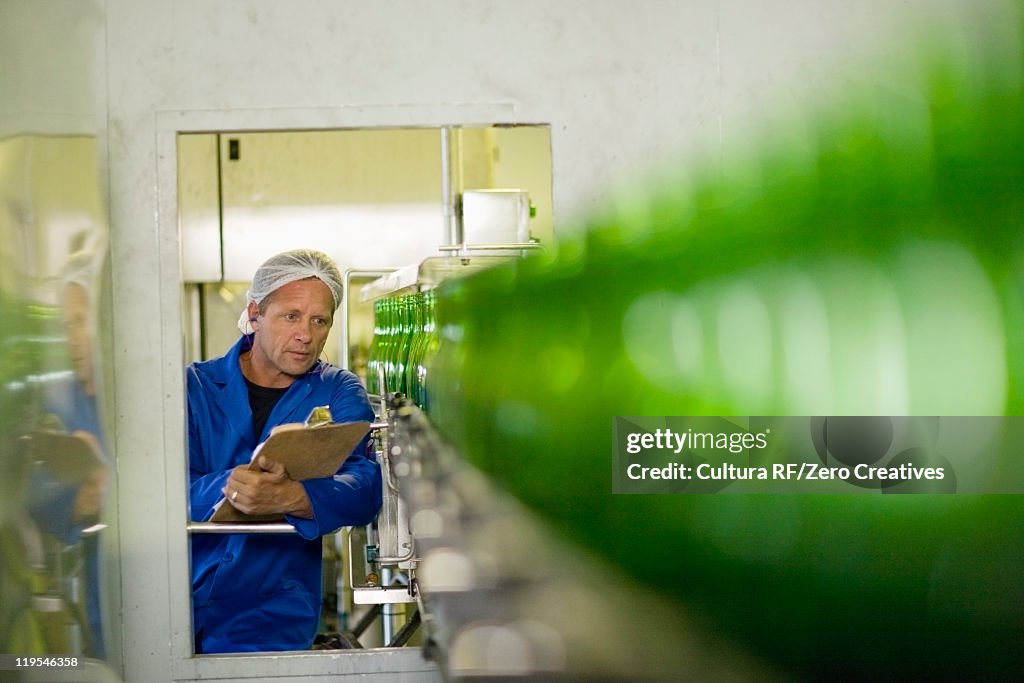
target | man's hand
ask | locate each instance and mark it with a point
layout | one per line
(89, 499)
(267, 491)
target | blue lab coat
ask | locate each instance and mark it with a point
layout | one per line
(260, 592)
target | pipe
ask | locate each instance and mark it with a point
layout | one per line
(451, 232)
(240, 528)
(507, 246)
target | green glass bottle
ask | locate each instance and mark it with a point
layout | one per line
(384, 345)
(402, 334)
(391, 342)
(373, 361)
(425, 347)
(876, 269)
(414, 344)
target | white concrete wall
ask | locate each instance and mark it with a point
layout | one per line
(621, 83)
(52, 77)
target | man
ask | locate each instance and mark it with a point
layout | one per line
(68, 508)
(253, 592)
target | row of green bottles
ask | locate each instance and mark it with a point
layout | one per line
(404, 337)
(875, 268)
(389, 350)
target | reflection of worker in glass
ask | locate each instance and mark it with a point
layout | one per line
(79, 413)
(256, 592)
(68, 490)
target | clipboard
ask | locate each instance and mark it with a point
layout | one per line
(70, 458)
(305, 452)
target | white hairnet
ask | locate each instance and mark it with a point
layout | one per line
(277, 271)
(79, 268)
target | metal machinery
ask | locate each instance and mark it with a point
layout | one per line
(383, 559)
(496, 594)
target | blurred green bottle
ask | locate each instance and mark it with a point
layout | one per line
(875, 269)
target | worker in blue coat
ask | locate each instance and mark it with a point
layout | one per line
(261, 592)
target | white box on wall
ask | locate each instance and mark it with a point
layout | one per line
(495, 216)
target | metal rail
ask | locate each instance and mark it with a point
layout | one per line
(240, 528)
(507, 246)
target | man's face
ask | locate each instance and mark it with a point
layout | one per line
(75, 316)
(291, 331)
